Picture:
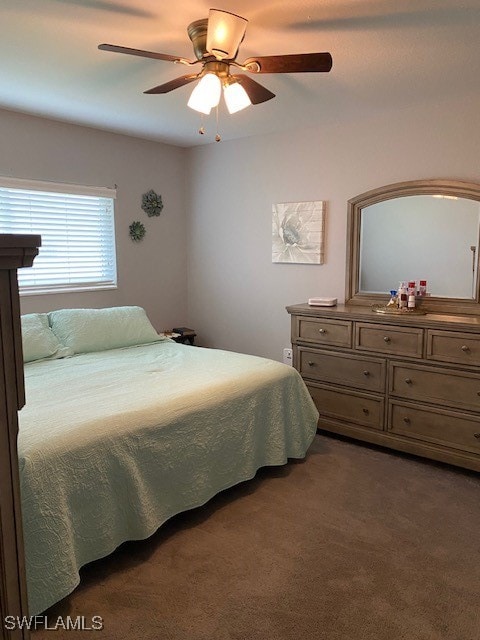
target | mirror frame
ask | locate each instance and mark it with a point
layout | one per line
(432, 304)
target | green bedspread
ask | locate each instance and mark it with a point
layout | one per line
(112, 444)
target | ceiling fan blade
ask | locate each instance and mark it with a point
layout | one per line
(173, 84)
(293, 63)
(143, 54)
(255, 91)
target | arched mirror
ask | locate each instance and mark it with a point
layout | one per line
(420, 230)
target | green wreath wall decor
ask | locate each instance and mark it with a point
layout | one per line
(137, 231)
(152, 203)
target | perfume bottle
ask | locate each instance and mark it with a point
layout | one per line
(402, 295)
(411, 295)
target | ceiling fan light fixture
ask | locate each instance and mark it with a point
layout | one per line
(236, 98)
(216, 41)
(206, 94)
(225, 33)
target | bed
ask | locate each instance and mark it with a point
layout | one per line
(112, 443)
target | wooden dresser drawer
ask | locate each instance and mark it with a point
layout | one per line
(447, 387)
(448, 428)
(400, 341)
(343, 369)
(341, 404)
(336, 333)
(452, 346)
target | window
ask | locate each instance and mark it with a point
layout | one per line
(78, 235)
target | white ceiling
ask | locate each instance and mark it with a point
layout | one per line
(385, 52)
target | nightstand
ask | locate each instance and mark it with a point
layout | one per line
(184, 335)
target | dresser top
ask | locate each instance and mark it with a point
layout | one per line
(359, 313)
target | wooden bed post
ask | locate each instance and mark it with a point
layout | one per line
(15, 251)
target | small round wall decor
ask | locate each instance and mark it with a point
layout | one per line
(152, 203)
(137, 231)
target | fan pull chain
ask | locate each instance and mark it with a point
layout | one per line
(217, 137)
(201, 129)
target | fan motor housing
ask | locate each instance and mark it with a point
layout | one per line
(197, 32)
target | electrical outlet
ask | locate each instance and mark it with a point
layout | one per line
(288, 357)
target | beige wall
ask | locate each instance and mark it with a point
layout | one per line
(236, 296)
(218, 200)
(151, 273)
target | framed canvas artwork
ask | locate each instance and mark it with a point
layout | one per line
(298, 230)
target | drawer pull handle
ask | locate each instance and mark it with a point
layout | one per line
(311, 363)
(406, 420)
(465, 348)
(322, 331)
(477, 436)
(408, 381)
(366, 373)
(386, 339)
(366, 412)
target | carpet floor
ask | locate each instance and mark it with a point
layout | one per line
(353, 543)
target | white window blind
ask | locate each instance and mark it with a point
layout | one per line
(78, 235)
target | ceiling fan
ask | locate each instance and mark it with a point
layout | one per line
(215, 43)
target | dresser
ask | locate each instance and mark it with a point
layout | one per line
(409, 382)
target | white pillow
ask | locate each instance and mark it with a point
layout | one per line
(38, 340)
(86, 330)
